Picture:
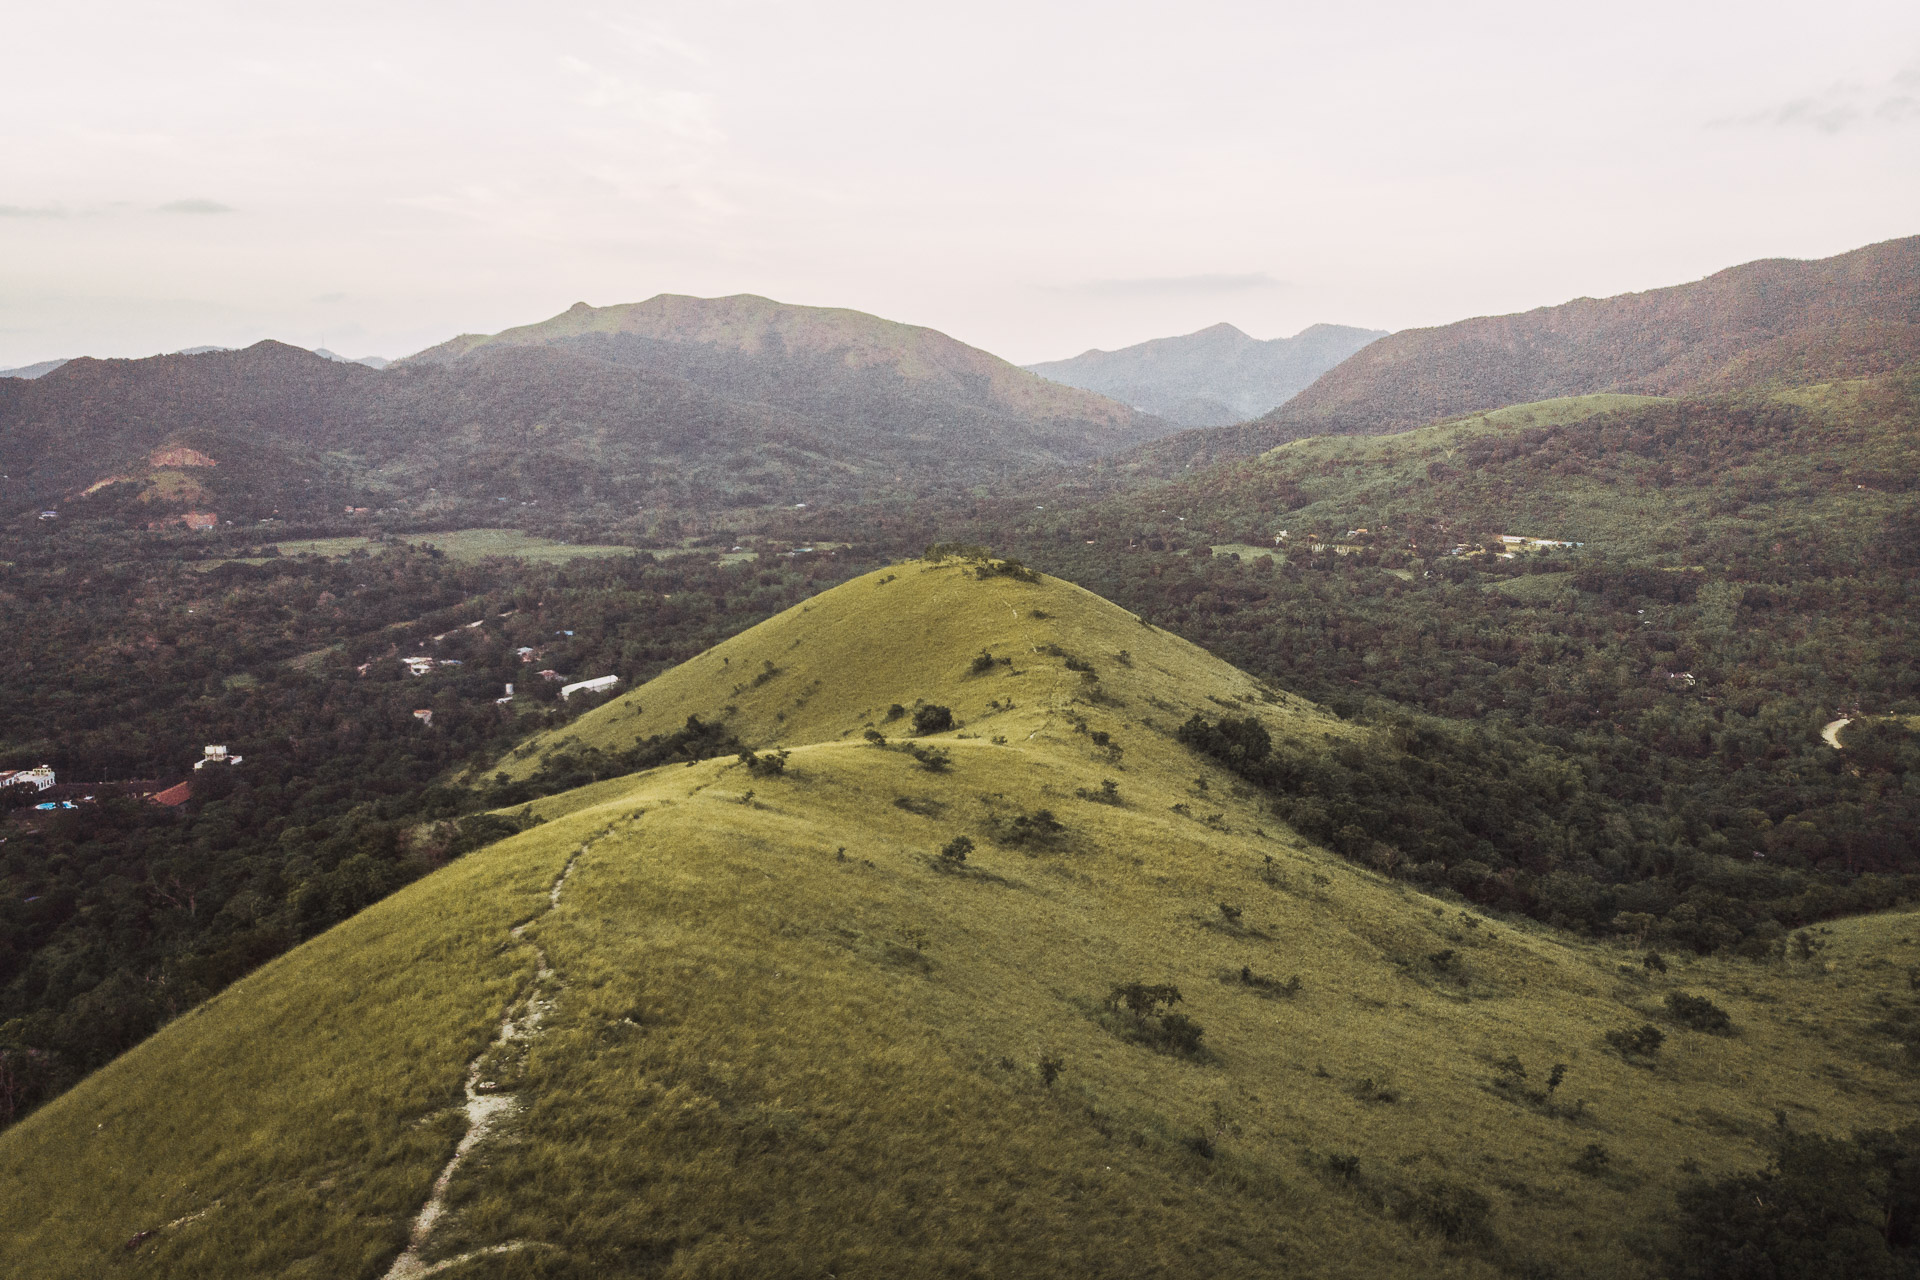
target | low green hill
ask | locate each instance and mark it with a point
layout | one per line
(744, 1018)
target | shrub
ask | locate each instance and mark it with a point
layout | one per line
(930, 719)
(1039, 828)
(895, 711)
(1268, 986)
(1006, 568)
(1050, 1069)
(1142, 1000)
(1699, 1013)
(771, 765)
(1144, 1014)
(1367, 1089)
(983, 663)
(954, 855)
(932, 759)
(1109, 793)
(1655, 962)
(874, 736)
(1456, 1212)
(1593, 1161)
(1823, 1209)
(1643, 1041)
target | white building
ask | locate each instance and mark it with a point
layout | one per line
(40, 777)
(589, 686)
(216, 755)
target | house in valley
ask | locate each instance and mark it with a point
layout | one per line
(588, 686)
(216, 755)
(40, 777)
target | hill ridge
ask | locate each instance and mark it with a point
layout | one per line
(1771, 322)
(787, 1022)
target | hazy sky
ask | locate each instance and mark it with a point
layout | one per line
(1034, 178)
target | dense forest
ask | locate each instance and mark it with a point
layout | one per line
(132, 652)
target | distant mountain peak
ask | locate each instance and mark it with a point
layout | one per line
(1213, 376)
(748, 343)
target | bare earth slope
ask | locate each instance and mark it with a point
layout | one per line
(1773, 322)
(723, 1023)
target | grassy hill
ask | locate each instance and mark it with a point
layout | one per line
(755, 1024)
(1761, 325)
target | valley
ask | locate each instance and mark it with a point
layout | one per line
(780, 964)
(1462, 822)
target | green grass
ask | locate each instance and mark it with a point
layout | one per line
(1247, 551)
(477, 544)
(1384, 480)
(783, 1041)
(1535, 588)
(459, 544)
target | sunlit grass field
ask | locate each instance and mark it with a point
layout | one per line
(460, 544)
(787, 1039)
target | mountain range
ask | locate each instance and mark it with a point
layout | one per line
(31, 371)
(694, 403)
(1776, 322)
(1214, 377)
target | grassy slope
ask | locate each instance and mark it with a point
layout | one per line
(458, 544)
(765, 1059)
(1385, 478)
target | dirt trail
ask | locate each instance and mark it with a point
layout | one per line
(487, 1104)
(1831, 731)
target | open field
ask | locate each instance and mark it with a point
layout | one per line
(459, 544)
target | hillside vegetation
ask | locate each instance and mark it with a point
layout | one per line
(1645, 707)
(1046, 992)
(1762, 325)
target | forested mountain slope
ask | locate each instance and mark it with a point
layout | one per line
(600, 416)
(938, 998)
(842, 371)
(1777, 322)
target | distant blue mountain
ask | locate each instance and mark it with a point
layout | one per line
(1214, 377)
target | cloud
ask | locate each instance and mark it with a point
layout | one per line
(22, 211)
(196, 205)
(1839, 107)
(1162, 286)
